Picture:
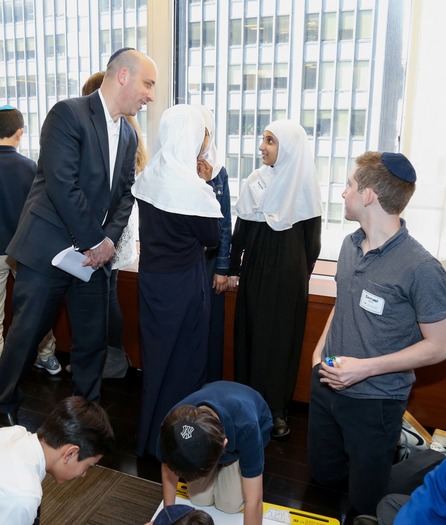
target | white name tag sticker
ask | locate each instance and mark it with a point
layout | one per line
(372, 303)
(257, 188)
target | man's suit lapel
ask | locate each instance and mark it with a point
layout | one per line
(98, 119)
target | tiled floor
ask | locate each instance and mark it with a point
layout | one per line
(286, 480)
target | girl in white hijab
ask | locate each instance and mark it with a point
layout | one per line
(275, 244)
(287, 191)
(178, 220)
(170, 181)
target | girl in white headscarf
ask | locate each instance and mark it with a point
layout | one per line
(275, 245)
(217, 259)
(178, 218)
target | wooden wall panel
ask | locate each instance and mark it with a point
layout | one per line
(426, 402)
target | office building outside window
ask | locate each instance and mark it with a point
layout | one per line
(339, 67)
(323, 63)
(48, 49)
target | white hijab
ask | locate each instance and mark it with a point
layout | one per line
(289, 191)
(171, 182)
(210, 153)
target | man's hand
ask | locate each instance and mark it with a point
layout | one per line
(101, 255)
(429, 351)
(351, 371)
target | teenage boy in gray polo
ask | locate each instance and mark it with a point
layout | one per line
(389, 318)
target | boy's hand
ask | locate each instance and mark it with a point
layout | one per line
(204, 169)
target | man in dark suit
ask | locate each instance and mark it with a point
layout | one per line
(81, 196)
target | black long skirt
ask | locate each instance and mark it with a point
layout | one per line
(174, 323)
(271, 310)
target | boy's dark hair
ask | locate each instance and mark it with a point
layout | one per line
(196, 517)
(192, 441)
(11, 120)
(182, 515)
(79, 422)
(393, 193)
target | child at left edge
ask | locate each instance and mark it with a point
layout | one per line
(72, 439)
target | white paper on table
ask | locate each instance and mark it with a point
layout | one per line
(70, 261)
(272, 515)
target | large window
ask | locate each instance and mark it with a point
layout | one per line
(344, 70)
(343, 79)
(48, 48)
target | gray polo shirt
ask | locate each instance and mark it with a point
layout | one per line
(381, 298)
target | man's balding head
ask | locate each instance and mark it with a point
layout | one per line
(128, 58)
(129, 82)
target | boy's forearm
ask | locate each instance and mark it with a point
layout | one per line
(253, 498)
(320, 344)
(170, 482)
(253, 514)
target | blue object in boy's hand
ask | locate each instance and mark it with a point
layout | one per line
(329, 361)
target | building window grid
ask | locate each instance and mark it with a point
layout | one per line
(8, 15)
(66, 67)
(332, 186)
(205, 85)
(337, 36)
(62, 53)
(248, 162)
(116, 26)
(335, 211)
(317, 136)
(33, 116)
(73, 76)
(241, 97)
(183, 53)
(188, 48)
(58, 61)
(291, 24)
(41, 71)
(23, 93)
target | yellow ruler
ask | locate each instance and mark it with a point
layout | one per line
(278, 514)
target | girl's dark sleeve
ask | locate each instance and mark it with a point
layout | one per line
(312, 231)
(238, 246)
(224, 245)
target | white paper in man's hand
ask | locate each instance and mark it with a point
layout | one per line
(70, 261)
